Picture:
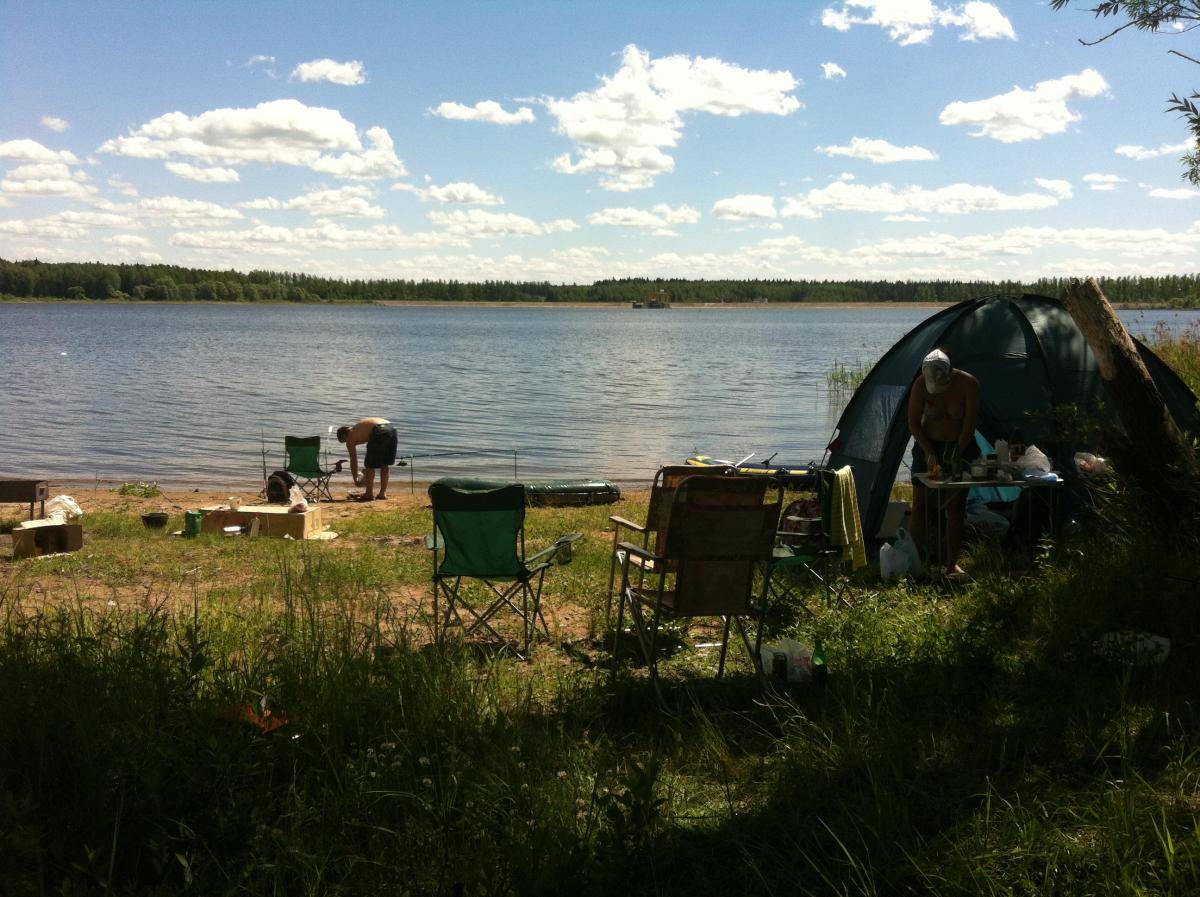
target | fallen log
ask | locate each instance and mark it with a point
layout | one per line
(1155, 454)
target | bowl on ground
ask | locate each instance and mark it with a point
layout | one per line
(155, 519)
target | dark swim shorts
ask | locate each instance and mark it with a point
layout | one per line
(945, 452)
(381, 447)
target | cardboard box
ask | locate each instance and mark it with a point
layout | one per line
(34, 538)
(274, 520)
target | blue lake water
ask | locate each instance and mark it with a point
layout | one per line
(190, 393)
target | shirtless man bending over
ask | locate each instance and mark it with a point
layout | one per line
(943, 407)
(380, 438)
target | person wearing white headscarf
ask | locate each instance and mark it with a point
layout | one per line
(943, 407)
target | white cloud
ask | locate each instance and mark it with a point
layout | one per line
(179, 212)
(32, 151)
(912, 21)
(56, 124)
(128, 241)
(953, 199)
(47, 179)
(1180, 193)
(66, 225)
(342, 202)
(830, 70)
(480, 223)
(745, 207)
(1059, 188)
(1141, 153)
(347, 74)
(458, 192)
(190, 172)
(377, 162)
(1026, 114)
(879, 151)
(622, 128)
(658, 219)
(1016, 252)
(279, 132)
(325, 234)
(1105, 183)
(267, 63)
(485, 110)
(122, 186)
(45, 171)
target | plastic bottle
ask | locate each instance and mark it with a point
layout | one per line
(1002, 451)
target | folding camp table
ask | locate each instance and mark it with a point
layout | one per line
(942, 492)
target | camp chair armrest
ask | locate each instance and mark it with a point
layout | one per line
(433, 542)
(559, 549)
(619, 522)
(632, 550)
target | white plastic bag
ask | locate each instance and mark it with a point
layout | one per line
(788, 655)
(1139, 649)
(1034, 461)
(901, 557)
(1090, 465)
(297, 503)
(63, 508)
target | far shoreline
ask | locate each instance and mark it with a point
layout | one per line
(483, 303)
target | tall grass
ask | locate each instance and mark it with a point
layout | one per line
(842, 380)
(968, 741)
(1180, 349)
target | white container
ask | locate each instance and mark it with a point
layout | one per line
(1002, 451)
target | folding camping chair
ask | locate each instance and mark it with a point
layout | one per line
(719, 530)
(805, 549)
(662, 491)
(479, 533)
(302, 459)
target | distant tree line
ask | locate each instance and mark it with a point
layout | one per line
(171, 283)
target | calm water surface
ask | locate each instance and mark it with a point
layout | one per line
(188, 393)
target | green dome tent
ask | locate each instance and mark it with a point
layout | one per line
(1034, 367)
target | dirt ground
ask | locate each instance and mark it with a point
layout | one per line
(132, 569)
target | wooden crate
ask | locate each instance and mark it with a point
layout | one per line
(274, 520)
(34, 538)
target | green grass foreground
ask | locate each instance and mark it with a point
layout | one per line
(968, 741)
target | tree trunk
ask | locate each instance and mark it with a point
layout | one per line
(1157, 457)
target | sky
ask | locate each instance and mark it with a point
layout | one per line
(574, 141)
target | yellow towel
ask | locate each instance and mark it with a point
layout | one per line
(844, 521)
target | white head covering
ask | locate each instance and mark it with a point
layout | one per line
(938, 371)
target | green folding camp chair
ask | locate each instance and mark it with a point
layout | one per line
(719, 530)
(804, 551)
(479, 534)
(302, 459)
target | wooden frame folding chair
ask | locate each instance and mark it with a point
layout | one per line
(719, 531)
(658, 510)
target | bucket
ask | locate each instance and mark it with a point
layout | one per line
(191, 523)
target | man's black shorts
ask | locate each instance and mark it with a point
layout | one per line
(381, 447)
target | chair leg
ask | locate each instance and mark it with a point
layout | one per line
(612, 578)
(616, 648)
(652, 656)
(724, 647)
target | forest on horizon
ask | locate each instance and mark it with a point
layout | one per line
(172, 283)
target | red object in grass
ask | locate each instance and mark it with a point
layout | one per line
(266, 720)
